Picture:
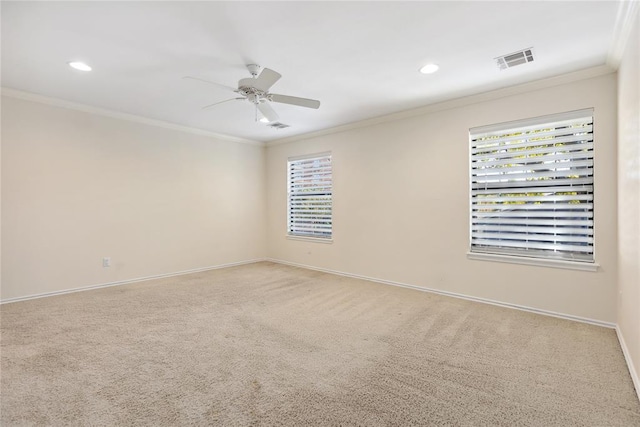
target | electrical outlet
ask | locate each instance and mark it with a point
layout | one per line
(106, 262)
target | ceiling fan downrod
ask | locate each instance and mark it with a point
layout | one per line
(254, 69)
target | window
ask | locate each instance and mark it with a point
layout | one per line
(309, 194)
(532, 188)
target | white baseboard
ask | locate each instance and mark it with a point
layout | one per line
(630, 365)
(325, 270)
(124, 282)
(453, 294)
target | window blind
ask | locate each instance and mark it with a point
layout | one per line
(532, 187)
(310, 196)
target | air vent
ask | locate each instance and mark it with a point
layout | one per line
(516, 58)
(278, 125)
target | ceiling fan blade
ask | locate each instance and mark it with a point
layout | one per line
(266, 79)
(221, 102)
(268, 112)
(294, 100)
(209, 82)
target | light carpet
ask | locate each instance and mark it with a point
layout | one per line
(268, 344)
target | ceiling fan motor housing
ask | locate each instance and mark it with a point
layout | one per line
(245, 88)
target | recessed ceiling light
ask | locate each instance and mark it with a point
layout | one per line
(264, 120)
(429, 69)
(79, 66)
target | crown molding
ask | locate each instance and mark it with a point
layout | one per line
(439, 106)
(562, 79)
(627, 11)
(56, 102)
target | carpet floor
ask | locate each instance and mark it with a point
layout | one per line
(268, 344)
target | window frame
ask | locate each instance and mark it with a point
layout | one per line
(501, 252)
(311, 235)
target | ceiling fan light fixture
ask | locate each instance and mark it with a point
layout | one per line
(78, 65)
(429, 69)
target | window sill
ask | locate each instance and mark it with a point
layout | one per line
(553, 263)
(310, 239)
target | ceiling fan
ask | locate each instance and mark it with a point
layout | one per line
(255, 89)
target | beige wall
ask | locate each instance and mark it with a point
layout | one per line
(77, 187)
(401, 200)
(629, 198)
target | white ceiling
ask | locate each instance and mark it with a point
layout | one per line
(360, 59)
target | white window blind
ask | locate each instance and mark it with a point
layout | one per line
(310, 196)
(532, 187)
